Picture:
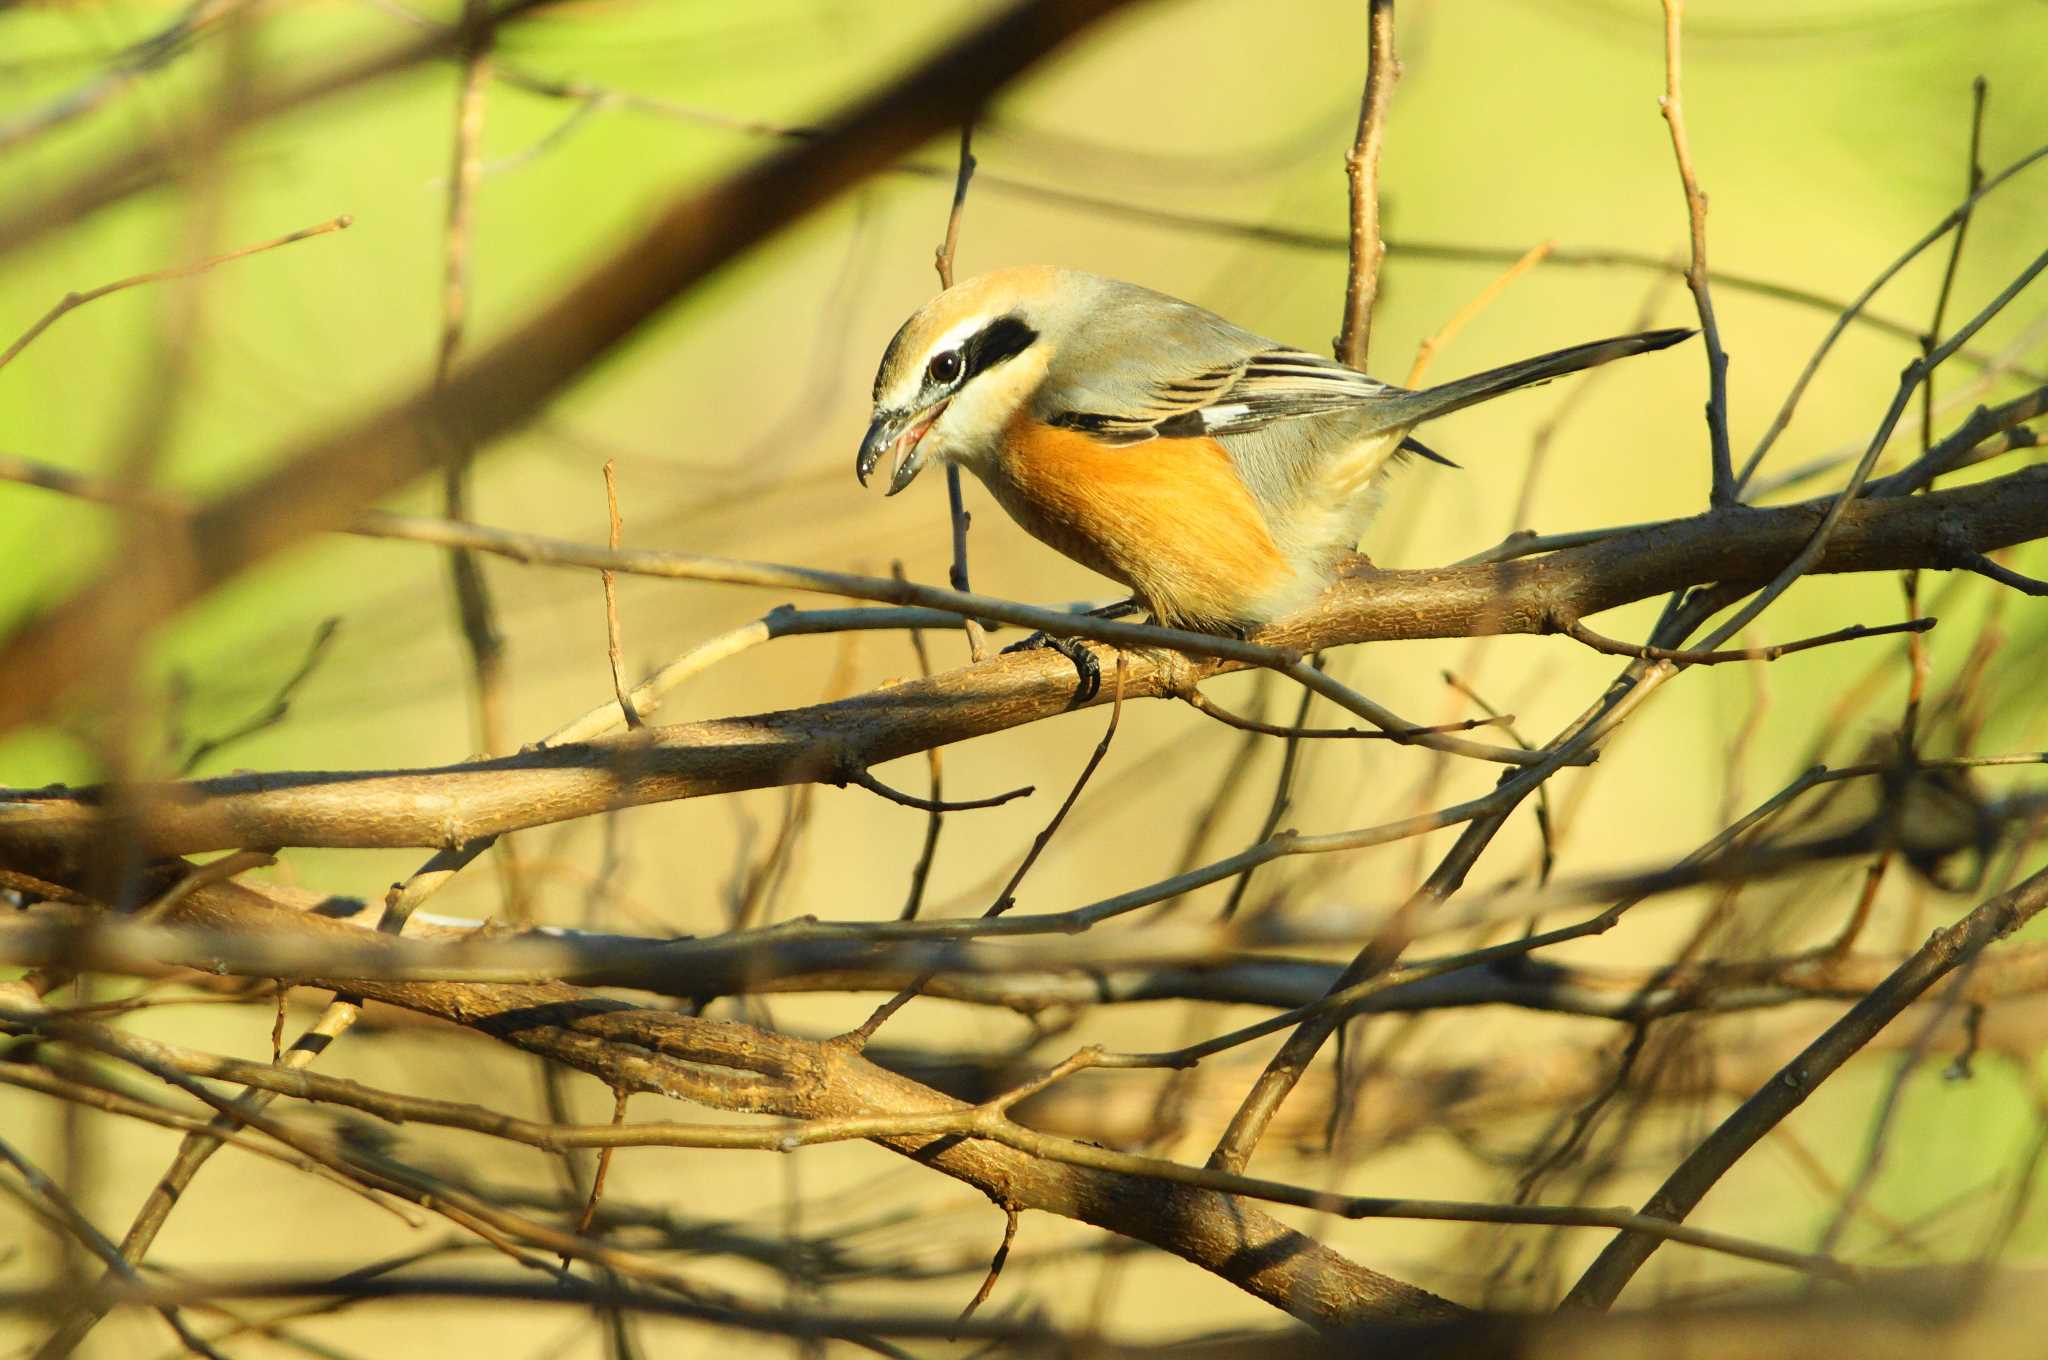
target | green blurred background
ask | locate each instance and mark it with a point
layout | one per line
(1829, 134)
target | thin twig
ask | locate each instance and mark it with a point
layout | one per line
(858, 1037)
(1600, 642)
(1362, 166)
(875, 786)
(935, 764)
(1277, 805)
(1007, 898)
(60, 1207)
(72, 301)
(199, 876)
(956, 503)
(995, 1266)
(1982, 564)
(280, 703)
(604, 1166)
(942, 258)
(1723, 490)
(1955, 215)
(474, 608)
(1948, 949)
(1484, 298)
(1202, 703)
(1974, 178)
(613, 651)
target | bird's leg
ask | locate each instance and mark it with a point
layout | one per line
(1116, 609)
(1089, 670)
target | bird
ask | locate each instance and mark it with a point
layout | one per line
(1222, 477)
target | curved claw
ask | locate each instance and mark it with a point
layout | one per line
(1088, 669)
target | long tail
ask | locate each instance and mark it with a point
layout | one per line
(1412, 408)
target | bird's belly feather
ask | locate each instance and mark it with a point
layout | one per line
(1170, 518)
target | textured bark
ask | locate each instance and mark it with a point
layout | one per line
(737, 1067)
(448, 805)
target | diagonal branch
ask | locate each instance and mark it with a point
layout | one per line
(319, 486)
(1946, 950)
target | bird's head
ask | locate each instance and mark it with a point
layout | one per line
(961, 368)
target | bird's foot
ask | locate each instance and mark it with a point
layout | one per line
(1089, 669)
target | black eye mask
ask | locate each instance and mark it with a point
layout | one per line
(1004, 338)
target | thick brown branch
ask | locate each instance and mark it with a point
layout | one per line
(740, 1068)
(451, 805)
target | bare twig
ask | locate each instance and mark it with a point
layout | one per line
(1277, 805)
(2005, 576)
(611, 600)
(1202, 703)
(875, 786)
(942, 258)
(280, 703)
(1007, 898)
(1723, 491)
(1362, 167)
(1955, 216)
(1484, 298)
(604, 1166)
(1973, 179)
(72, 301)
(859, 1036)
(1947, 950)
(995, 1266)
(66, 1214)
(956, 504)
(1600, 642)
(935, 820)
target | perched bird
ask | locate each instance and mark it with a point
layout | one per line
(1220, 475)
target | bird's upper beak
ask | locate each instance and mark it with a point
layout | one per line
(898, 433)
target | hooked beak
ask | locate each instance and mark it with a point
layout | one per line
(898, 435)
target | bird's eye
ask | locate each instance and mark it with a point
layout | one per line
(944, 367)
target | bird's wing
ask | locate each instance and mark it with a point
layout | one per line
(1216, 388)
(1285, 384)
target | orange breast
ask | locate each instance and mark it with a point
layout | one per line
(1169, 518)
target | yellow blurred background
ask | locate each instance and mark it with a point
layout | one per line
(1829, 135)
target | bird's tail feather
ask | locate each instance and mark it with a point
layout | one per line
(1412, 408)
